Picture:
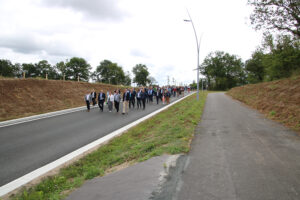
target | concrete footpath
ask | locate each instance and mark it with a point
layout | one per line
(236, 154)
(137, 182)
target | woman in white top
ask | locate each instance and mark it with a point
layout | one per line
(110, 101)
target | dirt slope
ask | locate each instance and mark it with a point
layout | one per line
(20, 98)
(278, 100)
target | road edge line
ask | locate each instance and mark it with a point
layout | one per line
(19, 182)
(41, 116)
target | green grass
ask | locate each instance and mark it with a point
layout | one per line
(169, 132)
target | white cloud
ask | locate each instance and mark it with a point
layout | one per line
(128, 32)
(102, 9)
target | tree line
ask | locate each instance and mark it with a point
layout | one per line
(77, 69)
(277, 57)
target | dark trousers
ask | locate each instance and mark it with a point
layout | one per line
(100, 103)
(144, 103)
(139, 105)
(132, 102)
(88, 104)
(157, 99)
(151, 98)
(117, 105)
(94, 101)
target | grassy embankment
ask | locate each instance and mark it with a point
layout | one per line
(169, 132)
(26, 97)
(278, 100)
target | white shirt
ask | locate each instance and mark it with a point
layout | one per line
(111, 97)
(87, 97)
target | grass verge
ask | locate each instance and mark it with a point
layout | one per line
(169, 132)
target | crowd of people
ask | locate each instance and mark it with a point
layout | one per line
(134, 97)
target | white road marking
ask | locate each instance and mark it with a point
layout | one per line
(11, 186)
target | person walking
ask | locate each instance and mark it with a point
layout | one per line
(150, 95)
(101, 100)
(138, 98)
(94, 95)
(158, 95)
(143, 98)
(168, 95)
(145, 90)
(163, 95)
(174, 91)
(88, 99)
(126, 98)
(117, 99)
(132, 98)
(110, 100)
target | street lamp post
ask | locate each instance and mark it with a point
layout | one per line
(198, 51)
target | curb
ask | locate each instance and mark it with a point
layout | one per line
(13, 185)
(42, 116)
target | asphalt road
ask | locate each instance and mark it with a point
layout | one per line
(237, 154)
(28, 146)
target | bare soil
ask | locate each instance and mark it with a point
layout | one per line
(278, 100)
(26, 97)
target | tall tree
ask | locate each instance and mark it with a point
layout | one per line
(109, 72)
(8, 69)
(43, 68)
(282, 57)
(61, 69)
(255, 68)
(141, 74)
(223, 70)
(77, 67)
(127, 80)
(30, 70)
(280, 15)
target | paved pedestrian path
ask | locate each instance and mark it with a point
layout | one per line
(238, 154)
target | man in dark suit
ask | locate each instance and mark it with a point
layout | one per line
(150, 95)
(158, 95)
(138, 98)
(101, 100)
(132, 97)
(94, 96)
(143, 98)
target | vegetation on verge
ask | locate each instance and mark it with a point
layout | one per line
(169, 132)
(278, 100)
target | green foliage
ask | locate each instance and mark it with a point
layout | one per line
(168, 132)
(77, 67)
(223, 70)
(193, 85)
(254, 67)
(61, 69)
(280, 60)
(111, 73)
(141, 74)
(7, 69)
(278, 15)
(30, 70)
(43, 68)
(272, 113)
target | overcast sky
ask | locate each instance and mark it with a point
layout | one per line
(127, 32)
